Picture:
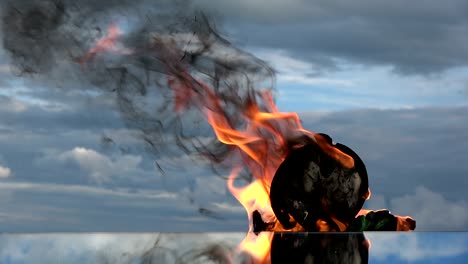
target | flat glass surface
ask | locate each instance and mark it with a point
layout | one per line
(135, 248)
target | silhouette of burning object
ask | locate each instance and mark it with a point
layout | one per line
(314, 191)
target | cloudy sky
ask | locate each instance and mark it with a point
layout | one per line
(388, 79)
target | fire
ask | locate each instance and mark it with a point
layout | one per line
(106, 43)
(254, 197)
(262, 144)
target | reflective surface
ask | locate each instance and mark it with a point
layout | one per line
(135, 248)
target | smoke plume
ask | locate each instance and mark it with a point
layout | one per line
(134, 50)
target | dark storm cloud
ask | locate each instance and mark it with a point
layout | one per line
(405, 148)
(416, 160)
(414, 37)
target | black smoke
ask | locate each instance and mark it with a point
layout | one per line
(47, 40)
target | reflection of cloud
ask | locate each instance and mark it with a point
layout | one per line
(92, 248)
(416, 246)
(5, 172)
(114, 248)
(125, 248)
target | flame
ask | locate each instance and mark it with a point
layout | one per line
(106, 43)
(262, 146)
(253, 197)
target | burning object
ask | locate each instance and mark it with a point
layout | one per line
(310, 186)
(315, 191)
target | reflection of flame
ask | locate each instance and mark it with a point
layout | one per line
(258, 246)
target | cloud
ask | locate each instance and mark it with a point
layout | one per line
(410, 37)
(297, 71)
(4, 68)
(432, 210)
(99, 166)
(413, 158)
(405, 148)
(402, 149)
(46, 207)
(5, 172)
(89, 190)
(304, 85)
(376, 202)
(12, 105)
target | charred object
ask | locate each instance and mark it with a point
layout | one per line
(313, 190)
